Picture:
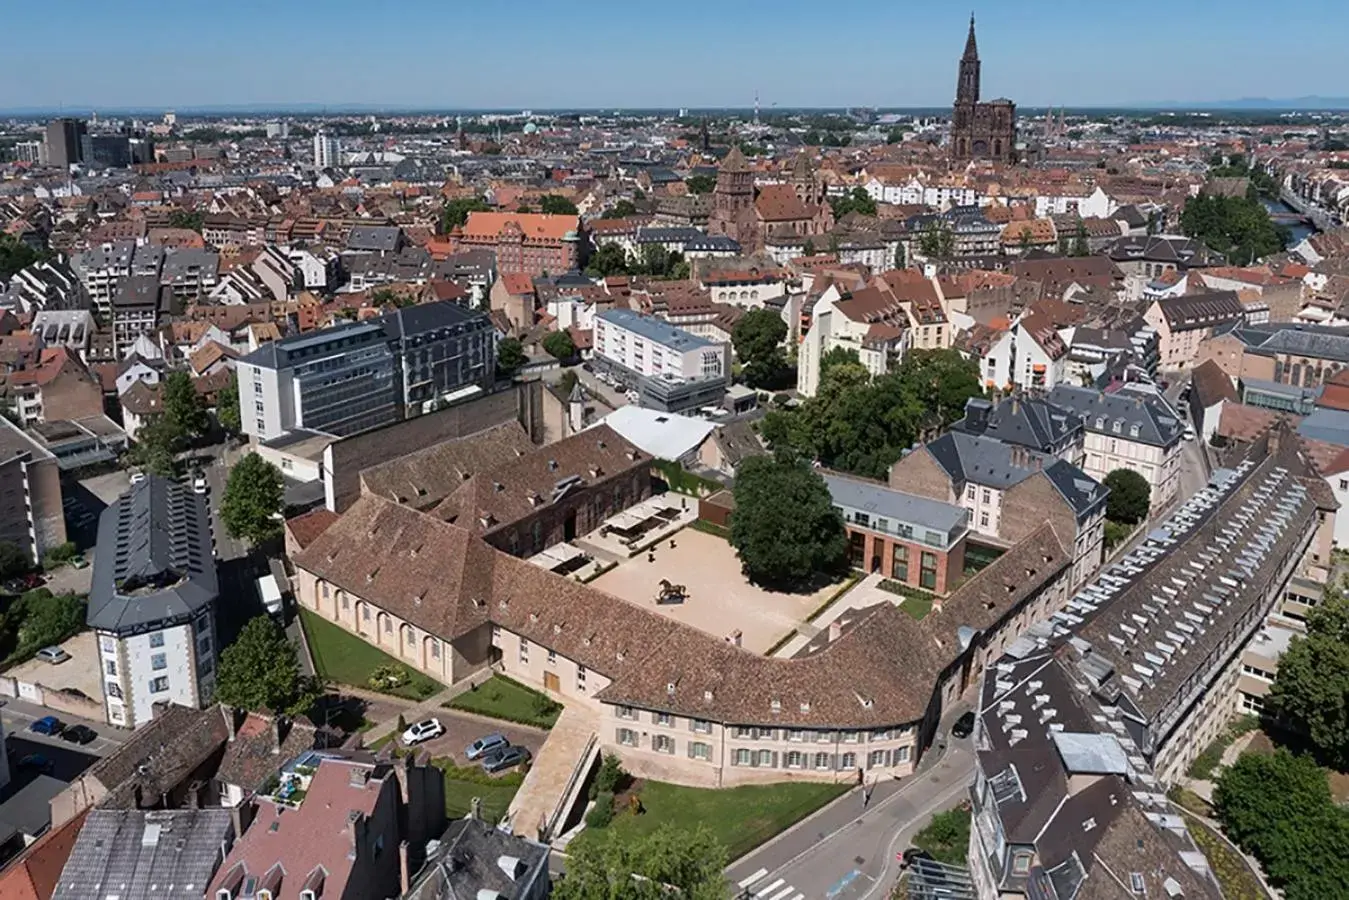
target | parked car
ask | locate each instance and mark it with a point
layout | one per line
(79, 734)
(484, 745)
(504, 758)
(53, 655)
(964, 726)
(912, 855)
(137, 477)
(199, 485)
(49, 725)
(36, 762)
(422, 731)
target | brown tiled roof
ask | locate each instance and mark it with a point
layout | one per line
(209, 354)
(261, 745)
(35, 873)
(540, 226)
(1211, 384)
(514, 488)
(159, 755)
(305, 529)
(142, 399)
(779, 203)
(425, 477)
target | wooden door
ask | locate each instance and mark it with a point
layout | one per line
(550, 681)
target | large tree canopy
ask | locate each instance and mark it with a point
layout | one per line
(557, 205)
(261, 671)
(757, 340)
(183, 406)
(626, 865)
(1311, 689)
(861, 425)
(1130, 496)
(785, 526)
(254, 495)
(1237, 227)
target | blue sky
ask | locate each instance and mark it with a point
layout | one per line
(603, 53)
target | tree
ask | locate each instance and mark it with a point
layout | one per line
(808, 248)
(1025, 239)
(16, 255)
(609, 259)
(261, 671)
(700, 184)
(1130, 497)
(1081, 245)
(14, 560)
(157, 442)
(559, 345)
(510, 356)
(836, 357)
(690, 862)
(254, 494)
(556, 205)
(1237, 227)
(184, 409)
(757, 340)
(786, 529)
(620, 210)
(858, 201)
(1279, 808)
(192, 220)
(456, 212)
(901, 259)
(1311, 689)
(937, 241)
(567, 382)
(227, 408)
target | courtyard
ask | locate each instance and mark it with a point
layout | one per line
(718, 599)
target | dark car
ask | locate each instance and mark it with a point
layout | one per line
(504, 758)
(49, 725)
(911, 856)
(79, 734)
(36, 762)
(963, 726)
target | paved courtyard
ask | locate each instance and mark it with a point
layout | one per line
(80, 672)
(719, 601)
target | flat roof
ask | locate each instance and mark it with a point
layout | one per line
(655, 330)
(893, 504)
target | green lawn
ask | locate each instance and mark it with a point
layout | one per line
(741, 818)
(917, 602)
(1234, 876)
(343, 658)
(503, 698)
(463, 784)
(946, 837)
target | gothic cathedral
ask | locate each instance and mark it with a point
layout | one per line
(980, 130)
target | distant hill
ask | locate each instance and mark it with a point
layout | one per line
(1287, 103)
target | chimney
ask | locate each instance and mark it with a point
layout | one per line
(404, 872)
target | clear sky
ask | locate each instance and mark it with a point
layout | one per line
(654, 53)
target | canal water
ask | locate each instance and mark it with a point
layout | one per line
(1300, 231)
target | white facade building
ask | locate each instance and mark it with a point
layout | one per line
(327, 151)
(654, 348)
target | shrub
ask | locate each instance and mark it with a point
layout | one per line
(603, 811)
(611, 777)
(402, 724)
(389, 676)
(425, 689)
(62, 552)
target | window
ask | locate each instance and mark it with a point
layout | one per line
(880, 736)
(1252, 704)
(742, 757)
(159, 685)
(927, 574)
(899, 562)
(699, 750)
(496, 632)
(662, 719)
(901, 755)
(627, 737)
(796, 760)
(663, 743)
(850, 737)
(1021, 863)
(580, 678)
(157, 639)
(988, 496)
(627, 712)
(765, 759)
(388, 625)
(114, 690)
(159, 661)
(847, 761)
(435, 649)
(875, 759)
(796, 736)
(552, 657)
(821, 760)
(524, 651)
(346, 601)
(983, 520)
(108, 645)
(700, 726)
(365, 613)
(112, 667)
(745, 734)
(1257, 673)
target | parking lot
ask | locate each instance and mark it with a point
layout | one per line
(462, 730)
(79, 673)
(18, 715)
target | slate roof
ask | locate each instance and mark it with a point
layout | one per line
(1183, 252)
(1120, 414)
(155, 564)
(974, 459)
(1025, 421)
(1209, 310)
(881, 500)
(1317, 342)
(138, 855)
(467, 864)
(374, 238)
(1210, 384)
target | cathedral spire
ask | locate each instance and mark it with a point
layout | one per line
(971, 45)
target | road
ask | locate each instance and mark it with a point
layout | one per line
(17, 715)
(845, 852)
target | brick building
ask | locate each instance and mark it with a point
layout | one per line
(524, 243)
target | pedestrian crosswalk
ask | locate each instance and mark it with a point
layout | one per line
(759, 887)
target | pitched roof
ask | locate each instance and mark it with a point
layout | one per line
(779, 203)
(1210, 385)
(425, 477)
(541, 226)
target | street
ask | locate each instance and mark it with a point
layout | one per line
(17, 715)
(847, 853)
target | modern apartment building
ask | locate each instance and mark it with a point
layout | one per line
(672, 369)
(152, 601)
(31, 515)
(327, 151)
(908, 538)
(101, 269)
(138, 304)
(361, 375)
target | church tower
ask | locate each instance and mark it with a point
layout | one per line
(967, 84)
(733, 200)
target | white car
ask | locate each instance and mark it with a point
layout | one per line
(199, 485)
(422, 731)
(137, 477)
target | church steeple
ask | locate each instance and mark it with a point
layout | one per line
(967, 85)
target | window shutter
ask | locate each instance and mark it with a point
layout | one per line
(775, 759)
(833, 761)
(692, 744)
(618, 736)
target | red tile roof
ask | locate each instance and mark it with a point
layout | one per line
(306, 528)
(534, 225)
